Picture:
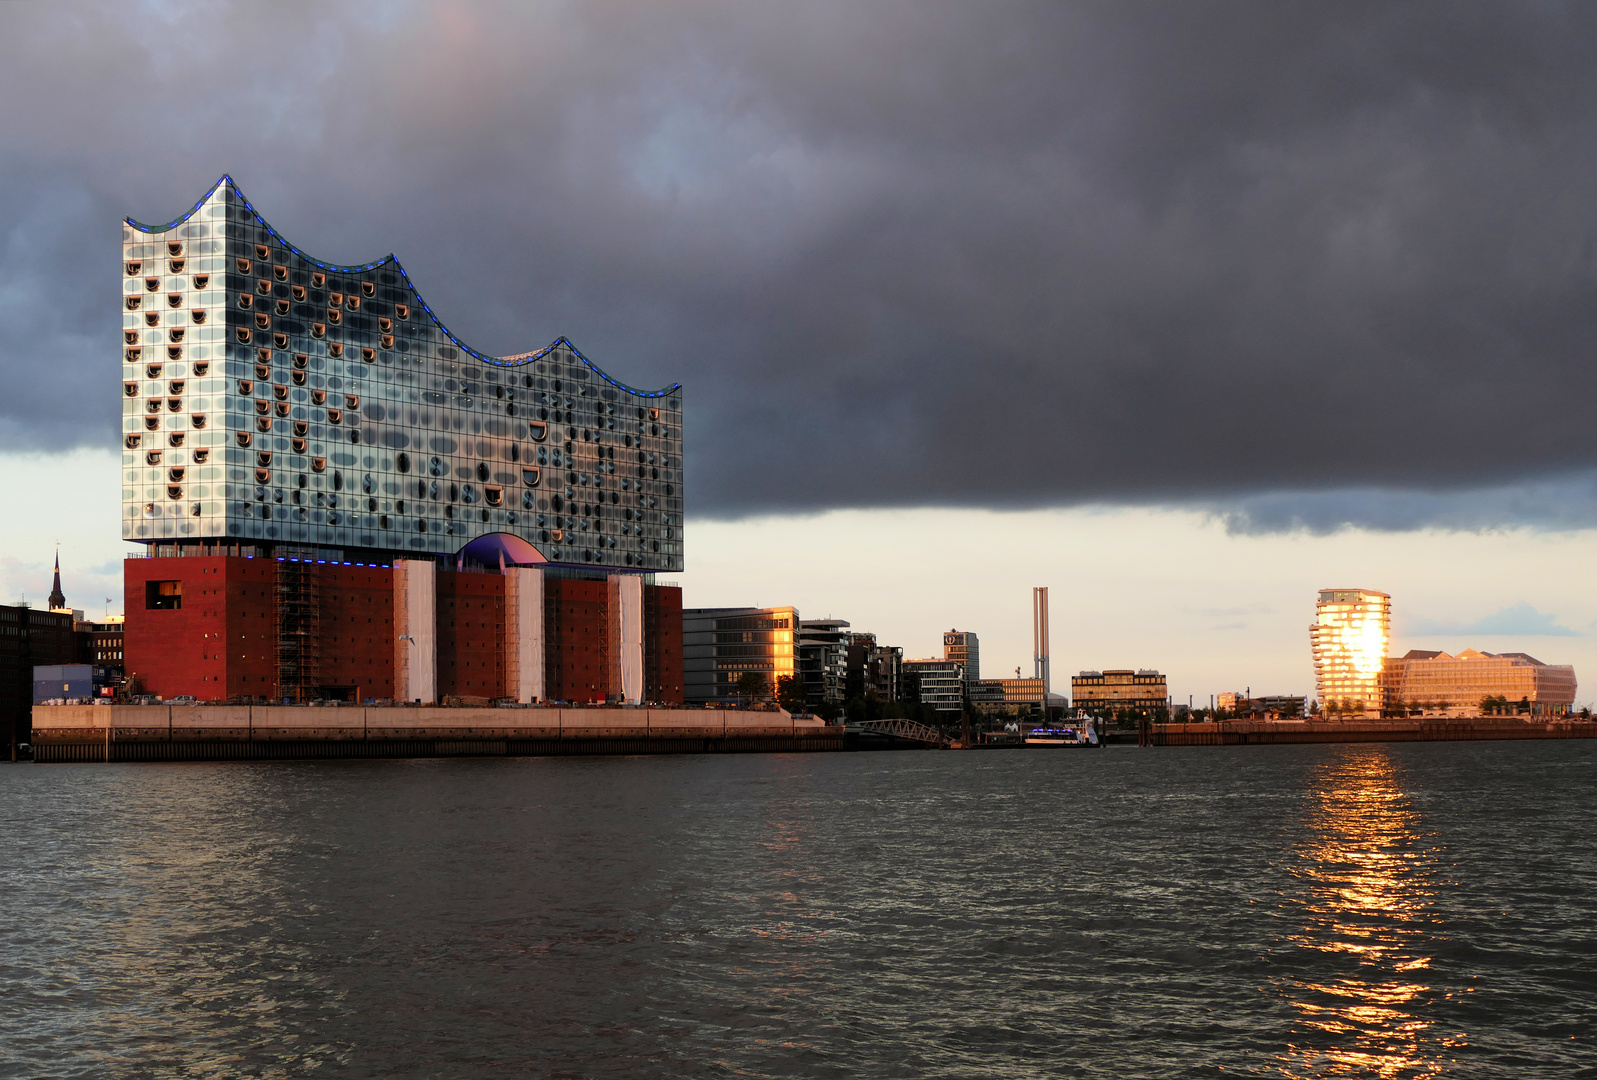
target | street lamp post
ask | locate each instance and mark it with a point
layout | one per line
(407, 637)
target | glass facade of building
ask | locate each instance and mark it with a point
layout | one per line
(823, 659)
(1437, 682)
(1144, 690)
(1349, 642)
(720, 644)
(1009, 695)
(271, 398)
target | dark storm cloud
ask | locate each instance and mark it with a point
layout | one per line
(965, 254)
(1556, 503)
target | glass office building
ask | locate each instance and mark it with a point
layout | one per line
(719, 645)
(823, 660)
(1430, 681)
(1349, 641)
(1111, 690)
(271, 399)
(935, 682)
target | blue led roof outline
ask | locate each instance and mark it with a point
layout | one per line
(515, 360)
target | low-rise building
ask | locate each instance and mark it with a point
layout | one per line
(1009, 695)
(1280, 706)
(1144, 690)
(73, 684)
(1433, 681)
(100, 643)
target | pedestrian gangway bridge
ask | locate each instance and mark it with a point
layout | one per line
(904, 729)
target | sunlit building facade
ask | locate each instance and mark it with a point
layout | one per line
(1436, 682)
(719, 645)
(1349, 642)
(964, 649)
(1111, 690)
(1009, 695)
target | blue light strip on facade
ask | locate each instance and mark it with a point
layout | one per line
(338, 268)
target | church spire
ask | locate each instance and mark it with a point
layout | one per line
(57, 600)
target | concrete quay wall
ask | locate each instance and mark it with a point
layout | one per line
(225, 732)
(1258, 732)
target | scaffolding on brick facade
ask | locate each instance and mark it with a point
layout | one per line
(297, 604)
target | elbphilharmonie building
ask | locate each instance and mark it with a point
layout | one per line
(341, 500)
(272, 397)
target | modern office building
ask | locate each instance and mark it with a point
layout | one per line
(1143, 689)
(962, 647)
(1009, 695)
(1349, 641)
(938, 683)
(720, 644)
(823, 660)
(358, 504)
(1025, 693)
(1436, 682)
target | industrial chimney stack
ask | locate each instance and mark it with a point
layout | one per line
(1039, 634)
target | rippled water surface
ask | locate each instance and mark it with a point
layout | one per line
(1376, 911)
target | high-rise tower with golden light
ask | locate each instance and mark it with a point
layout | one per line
(1349, 640)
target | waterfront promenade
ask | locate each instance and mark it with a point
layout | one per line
(1416, 729)
(258, 732)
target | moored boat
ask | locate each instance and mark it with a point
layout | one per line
(1080, 734)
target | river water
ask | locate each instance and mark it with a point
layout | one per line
(1374, 911)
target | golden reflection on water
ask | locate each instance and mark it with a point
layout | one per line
(1368, 875)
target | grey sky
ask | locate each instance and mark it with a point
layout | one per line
(1308, 265)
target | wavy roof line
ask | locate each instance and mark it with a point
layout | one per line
(515, 360)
